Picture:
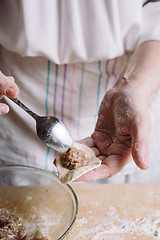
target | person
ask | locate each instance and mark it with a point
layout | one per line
(95, 66)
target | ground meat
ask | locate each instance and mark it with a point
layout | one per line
(11, 228)
(74, 159)
(38, 236)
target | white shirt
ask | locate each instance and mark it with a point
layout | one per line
(71, 31)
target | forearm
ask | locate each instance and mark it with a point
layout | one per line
(143, 69)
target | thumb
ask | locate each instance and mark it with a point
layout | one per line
(8, 86)
(140, 142)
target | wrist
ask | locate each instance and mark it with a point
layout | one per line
(142, 72)
(134, 87)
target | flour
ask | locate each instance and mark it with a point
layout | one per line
(95, 203)
(111, 227)
(81, 221)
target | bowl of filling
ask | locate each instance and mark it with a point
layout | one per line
(34, 204)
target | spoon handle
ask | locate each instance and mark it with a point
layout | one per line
(20, 104)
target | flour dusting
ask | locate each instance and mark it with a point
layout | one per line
(111, 227)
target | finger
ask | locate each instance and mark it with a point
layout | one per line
(87, 141)
(140, 141)
(116, 163)
(90, 143)
(96, 174)
(102, 141)
(109, 167)
(96, 151)
(4, 109)
(12, 90)
(1, 95)
(8, 86)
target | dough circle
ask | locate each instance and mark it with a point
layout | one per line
(66, 176)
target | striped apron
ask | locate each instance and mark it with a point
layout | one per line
(71, 92)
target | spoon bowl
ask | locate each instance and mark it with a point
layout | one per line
(50, 130)
(54, 133)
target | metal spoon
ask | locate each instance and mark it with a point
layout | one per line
(50, 130)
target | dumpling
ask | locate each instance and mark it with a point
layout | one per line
(79, 160)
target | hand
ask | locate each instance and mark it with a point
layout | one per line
(121, 133)
(123, 126)
(7, 88)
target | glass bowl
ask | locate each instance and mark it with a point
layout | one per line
(39, 199)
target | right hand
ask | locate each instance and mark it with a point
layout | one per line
(7, 88)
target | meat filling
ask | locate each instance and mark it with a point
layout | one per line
(11, 228)
(74, 159)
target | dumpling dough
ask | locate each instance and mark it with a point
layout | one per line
(65, 175)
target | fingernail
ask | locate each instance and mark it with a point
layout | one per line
(11, 92)
(4, 110)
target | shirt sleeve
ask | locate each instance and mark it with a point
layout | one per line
(150, 22)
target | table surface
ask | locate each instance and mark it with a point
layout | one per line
(117, 212)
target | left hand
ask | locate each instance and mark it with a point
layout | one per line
(121, 133)
(123, 126)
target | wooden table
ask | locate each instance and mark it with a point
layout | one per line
(117, 212)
